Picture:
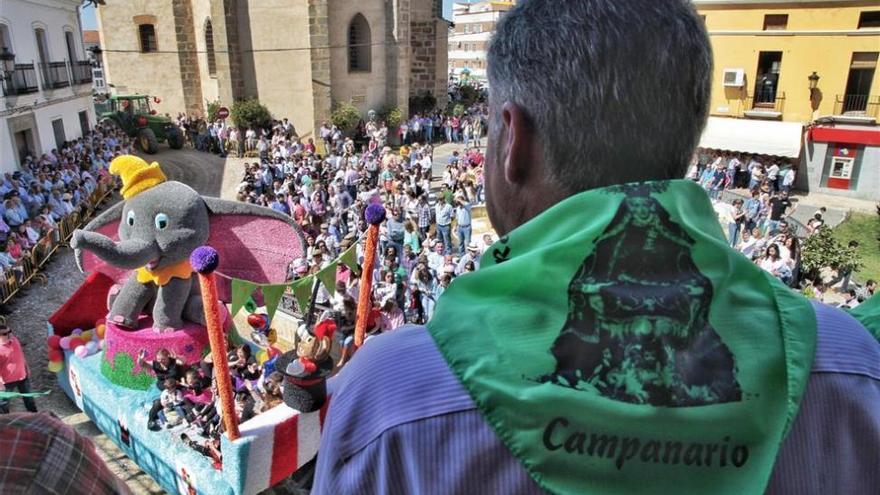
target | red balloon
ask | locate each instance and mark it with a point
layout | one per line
(54, 341)
(76, 342)
(56, 355)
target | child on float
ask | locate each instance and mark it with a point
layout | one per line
(165, 366)
(171, 398)
(197, 393)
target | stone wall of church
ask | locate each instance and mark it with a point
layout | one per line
(364, 89)
(319, 39)
(126, 67)
(428, 42)
(423, 70)
(274, 42)
(201, 15)
(187, 56)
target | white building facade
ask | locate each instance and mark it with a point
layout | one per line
(47, 95)
(474, 24)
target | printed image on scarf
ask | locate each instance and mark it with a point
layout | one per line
(638, 329)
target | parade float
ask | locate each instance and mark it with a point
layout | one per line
(152, 259)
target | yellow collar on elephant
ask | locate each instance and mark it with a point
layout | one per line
(162, 276)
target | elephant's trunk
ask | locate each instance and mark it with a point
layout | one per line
(128, 254)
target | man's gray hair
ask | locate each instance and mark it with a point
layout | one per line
(617, 90)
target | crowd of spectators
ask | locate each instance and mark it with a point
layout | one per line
(48, 188)
(425, 242)
(759, 222)
(370, 135)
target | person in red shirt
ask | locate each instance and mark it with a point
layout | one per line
(13, 370)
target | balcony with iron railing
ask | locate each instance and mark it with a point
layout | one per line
(857, 106)
(82, 72)
(22, 80)
(55, 75)
(766, 103)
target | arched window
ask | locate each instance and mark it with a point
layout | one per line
(209, 48)
(359, 49)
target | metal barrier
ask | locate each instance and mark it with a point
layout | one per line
(31, 266)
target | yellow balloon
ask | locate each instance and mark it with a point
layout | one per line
(273, 336)
(56, 366)
(87, 335)
(101, 329)
(262, 356)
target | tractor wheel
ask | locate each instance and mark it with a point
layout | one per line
(175, 140)
(147, 141)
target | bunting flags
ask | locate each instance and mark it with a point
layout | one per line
(327, 276)
(302, 291)
(349, 258)
(271, 297)
(242, 290)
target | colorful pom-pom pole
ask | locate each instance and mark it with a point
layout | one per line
(374, 215)
(204, 261)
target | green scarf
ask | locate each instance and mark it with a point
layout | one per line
(868, 313)
(616, 344)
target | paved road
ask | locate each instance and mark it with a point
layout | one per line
(30, 311)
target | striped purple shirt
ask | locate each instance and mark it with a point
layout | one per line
(400, 422)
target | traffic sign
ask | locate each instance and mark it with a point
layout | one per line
(222, 113)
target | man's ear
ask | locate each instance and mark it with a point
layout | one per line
(520, 140)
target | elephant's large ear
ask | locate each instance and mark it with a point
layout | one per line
(255, 243)
(107, 223)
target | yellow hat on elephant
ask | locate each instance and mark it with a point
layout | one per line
(136, 175)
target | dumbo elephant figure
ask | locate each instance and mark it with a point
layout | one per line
(160, 223)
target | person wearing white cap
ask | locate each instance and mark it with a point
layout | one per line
(471, 255)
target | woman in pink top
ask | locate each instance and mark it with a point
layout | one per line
(13, 370)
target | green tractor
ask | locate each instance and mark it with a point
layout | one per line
(132, 114)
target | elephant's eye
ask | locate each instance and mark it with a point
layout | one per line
(129, 219)
(161, 221)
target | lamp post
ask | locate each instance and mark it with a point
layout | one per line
(815, 98)
(814, 82)
(7, 66)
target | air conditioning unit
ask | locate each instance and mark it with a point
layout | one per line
(735, 78)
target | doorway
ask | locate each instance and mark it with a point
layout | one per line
(84, 122)
(24, 144)
(767, 82)
(58, 129)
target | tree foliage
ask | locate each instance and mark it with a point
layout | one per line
(822, 250)
(422, 103)
(213, 107)
(345, 116)
(392, 116)
(250, 113)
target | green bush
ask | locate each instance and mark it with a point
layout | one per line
(213, 107)
(458, 110)
(345, 116)
(422, 103)
(392, 117)
(250, 113)
(822, 250)
(469, 95)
